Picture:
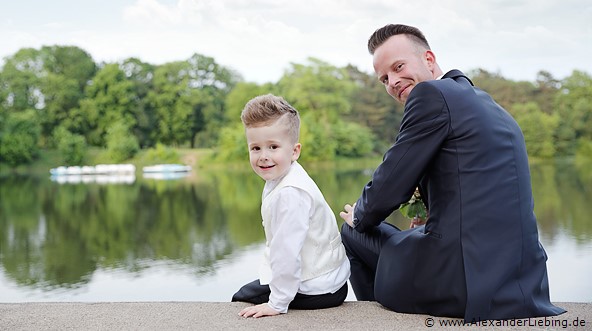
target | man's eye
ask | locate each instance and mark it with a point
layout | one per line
(385, 80)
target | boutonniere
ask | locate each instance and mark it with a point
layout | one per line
(414, 207)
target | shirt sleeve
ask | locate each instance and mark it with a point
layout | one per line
(290, 216)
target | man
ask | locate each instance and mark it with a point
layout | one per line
(478, 255)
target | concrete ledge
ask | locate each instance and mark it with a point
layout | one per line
(352, 315)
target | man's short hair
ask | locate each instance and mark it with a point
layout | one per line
(383, 34)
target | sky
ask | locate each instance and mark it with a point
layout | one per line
(260, 39)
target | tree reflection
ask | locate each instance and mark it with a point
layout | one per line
(54, 235)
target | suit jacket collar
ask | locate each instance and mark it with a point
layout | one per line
(454, 74)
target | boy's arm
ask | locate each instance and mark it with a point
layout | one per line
(289, 226)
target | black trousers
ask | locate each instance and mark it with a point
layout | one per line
(256, 293)
(363, 250)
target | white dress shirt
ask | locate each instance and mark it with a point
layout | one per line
(291, 212)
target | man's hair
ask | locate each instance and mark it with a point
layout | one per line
(383, 34)
(267, 109)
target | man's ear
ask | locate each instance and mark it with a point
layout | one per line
(296, 151)
(430, 58)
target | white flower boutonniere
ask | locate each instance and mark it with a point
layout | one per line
(414, 207)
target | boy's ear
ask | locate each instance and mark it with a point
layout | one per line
(296, 152)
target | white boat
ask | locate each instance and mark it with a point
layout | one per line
(98, 179)
(115, 168)
(166, 168)
(99, 169)
(165, 175)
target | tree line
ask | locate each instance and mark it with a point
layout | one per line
(58, 97)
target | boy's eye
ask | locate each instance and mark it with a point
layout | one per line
(274, 146)
(255, 148)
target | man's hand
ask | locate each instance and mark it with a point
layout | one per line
(258, 311)
(348, 214)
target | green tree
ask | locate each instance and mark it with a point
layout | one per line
(504, 91)
(546, 91)
(72, 147)
(538, 128)
(121, 145)
(19, 135)
(188, 98)
(215, 82)
(173, 101)
(21, 81)
(50, 80)
(109, 99)
(232, 144)
(141, 75)
(240, 95)
(584, 152)
(161, 154)
(70, 62)
(374, 108)
(574, 105)
(355, 140)
(318, 88)
(321, 93)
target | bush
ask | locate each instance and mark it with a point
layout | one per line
(18, 138)
(121, 143)
(584, 150)
(232, 144)
(161, 154)
(71, 146)
(353, 140)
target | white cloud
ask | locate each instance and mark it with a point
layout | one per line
(260, 38)
(150, 11)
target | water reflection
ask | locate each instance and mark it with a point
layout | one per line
(199, 238)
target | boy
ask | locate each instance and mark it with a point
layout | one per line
(304, 265)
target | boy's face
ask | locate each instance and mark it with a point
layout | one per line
(271, 150)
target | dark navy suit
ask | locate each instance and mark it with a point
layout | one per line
(479, 256)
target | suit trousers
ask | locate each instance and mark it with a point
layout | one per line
(256, 293)
(363, 250)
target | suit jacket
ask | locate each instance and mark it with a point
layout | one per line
(479, 255)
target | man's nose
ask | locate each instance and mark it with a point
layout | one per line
(393, 80)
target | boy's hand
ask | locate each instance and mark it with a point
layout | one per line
(258, 311)
(348, 214)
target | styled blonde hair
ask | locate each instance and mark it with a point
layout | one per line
(268, 109)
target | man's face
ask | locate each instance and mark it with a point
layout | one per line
(400, 64)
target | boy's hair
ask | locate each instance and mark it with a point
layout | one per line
(383, 34)
(267, 109)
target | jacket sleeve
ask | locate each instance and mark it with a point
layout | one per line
(424, 127)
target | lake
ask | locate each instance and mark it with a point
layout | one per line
(199, 238)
